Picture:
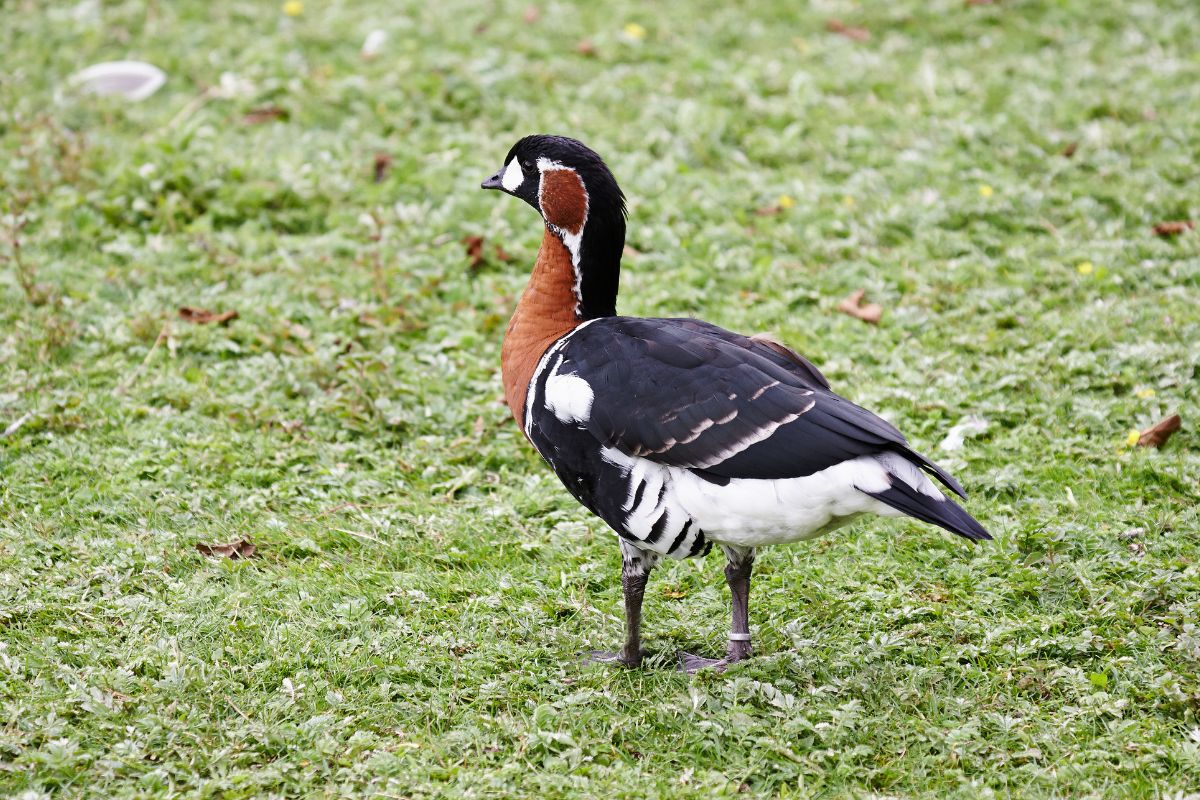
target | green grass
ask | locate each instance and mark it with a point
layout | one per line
(411, 624)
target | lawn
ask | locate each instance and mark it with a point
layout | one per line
(411, 620)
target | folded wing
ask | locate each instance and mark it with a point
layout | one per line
(690, 394)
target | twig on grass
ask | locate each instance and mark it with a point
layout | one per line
(357, 534)
(16, 426)
(241, 713)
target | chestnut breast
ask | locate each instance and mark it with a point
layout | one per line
(545, 314)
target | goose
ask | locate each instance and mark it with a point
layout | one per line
(677, 433)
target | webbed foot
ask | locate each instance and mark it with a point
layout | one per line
(608, 657)
(690, 663)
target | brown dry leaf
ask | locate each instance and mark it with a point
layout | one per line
(381, 166)
(532, 14)
(202, 316)
(479, 425)
(767, 211)
(474, 250)
(1169, 229)
(853, 305)
(242, 548)
(585, 47)
(502, 254)
(257, 116)
(1069, 150)
(674, 594)
(1157, 435)
(849, 31)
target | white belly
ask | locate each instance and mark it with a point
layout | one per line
(752, 512)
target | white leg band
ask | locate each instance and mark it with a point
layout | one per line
(739, 637)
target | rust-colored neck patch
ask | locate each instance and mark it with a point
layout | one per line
(564, 199)
(547, 311)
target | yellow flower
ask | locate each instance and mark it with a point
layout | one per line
(1132, 438)
(634, 31)
(787, 201)
(1086, 268)
(848, 201)
(986, 191)
(293, 8)
(1145, 394)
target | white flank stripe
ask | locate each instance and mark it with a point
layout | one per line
(531, 389)
(569, 396)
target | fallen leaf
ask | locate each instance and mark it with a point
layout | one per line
(585, 47)
(1069, 150)
(502, 254)
(382, 164)
(853, 305)
(474, 250)
(478, 426)
(674, 594)
(635, 31)
(202, 316)
(242, 548)
(1169, 229)
(133, 80)
(849, 31)
(1157, 435)
(767, 211)
(257, 116)
(532, 14)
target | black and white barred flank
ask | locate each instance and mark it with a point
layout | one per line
(680, 434)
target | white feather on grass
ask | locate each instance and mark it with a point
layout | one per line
(373, 43)
(133, 80)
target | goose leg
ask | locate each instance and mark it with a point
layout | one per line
(737, 575)
(738, 566)
(635, 571)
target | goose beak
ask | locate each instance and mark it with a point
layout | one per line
(494, 182)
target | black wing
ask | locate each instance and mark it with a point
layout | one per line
(690, 394)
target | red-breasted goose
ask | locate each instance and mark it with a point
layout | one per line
(679, 434)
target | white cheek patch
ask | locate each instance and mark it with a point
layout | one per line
(513, 177)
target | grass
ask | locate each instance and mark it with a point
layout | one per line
(410, 624)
